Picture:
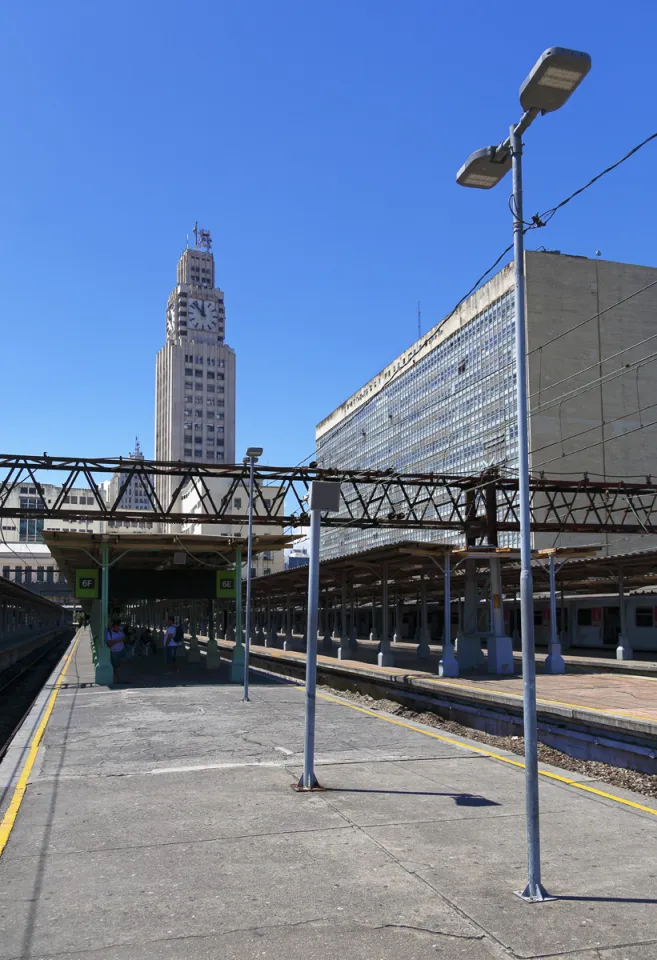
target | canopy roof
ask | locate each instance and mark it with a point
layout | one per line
(153, 551)
(578, 570)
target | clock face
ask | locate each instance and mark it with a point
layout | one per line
(203, 315)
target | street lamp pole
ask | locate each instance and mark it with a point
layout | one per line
(251, 458)
(556, 74)
(534, 890)
(324, 497)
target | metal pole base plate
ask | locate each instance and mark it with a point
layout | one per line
(540, 896)
(314, 786)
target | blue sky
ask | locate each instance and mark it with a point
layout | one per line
(319, 142)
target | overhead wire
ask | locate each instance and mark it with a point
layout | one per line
(590, 446)
(548, 214)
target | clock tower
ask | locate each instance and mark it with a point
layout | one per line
(195, 369)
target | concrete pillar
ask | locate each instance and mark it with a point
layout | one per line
(564, 634)
(423, 650)
(624, 649)
(554, 662)
(500, 647)
(385, 657)
(468, 641)
(448, 665)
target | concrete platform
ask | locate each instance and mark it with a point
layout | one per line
(159, 822)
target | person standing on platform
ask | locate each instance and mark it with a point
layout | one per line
(114, 640)
(171, 645)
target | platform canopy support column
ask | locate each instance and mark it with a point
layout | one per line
(423, 649)
(468, 642)
(287, 638)
(194, 653)
(500, 646)
(397, 635)
(448, 665)
(346, 649)
(554, 662)
(385, 657)
(624, 649)
(327, 640)
(104, 672)
(237, 664)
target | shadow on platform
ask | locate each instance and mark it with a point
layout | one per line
(152, 671)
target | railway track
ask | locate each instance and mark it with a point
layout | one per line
(21, 684)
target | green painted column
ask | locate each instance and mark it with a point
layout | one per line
(237, 665)
(104, 671)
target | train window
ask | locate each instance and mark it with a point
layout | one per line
(584, 617)
(644, 617)
(538, 618)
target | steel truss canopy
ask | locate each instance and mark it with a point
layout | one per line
(478, 506)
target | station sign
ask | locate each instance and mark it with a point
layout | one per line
(226, 584)
(87, 583)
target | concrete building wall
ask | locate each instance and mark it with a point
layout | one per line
(589, 394)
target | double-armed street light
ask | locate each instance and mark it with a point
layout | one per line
(252, 456)
(556, 74)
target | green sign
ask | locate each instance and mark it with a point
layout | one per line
(226, 584)
(87, 583)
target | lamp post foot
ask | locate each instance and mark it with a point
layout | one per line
(538, 895)
(301, 787)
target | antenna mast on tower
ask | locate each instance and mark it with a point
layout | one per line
(419, 321)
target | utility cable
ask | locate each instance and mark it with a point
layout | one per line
(548, 214)
(590, 446)
(596, 426)
(594, 316)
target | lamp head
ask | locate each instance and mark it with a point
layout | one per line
(253, 452)
(554, 77)
(484, 168)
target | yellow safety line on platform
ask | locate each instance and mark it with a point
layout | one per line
(9, 818)
(489, 753)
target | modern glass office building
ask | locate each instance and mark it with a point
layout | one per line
(448, 403)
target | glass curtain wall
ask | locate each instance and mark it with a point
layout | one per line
(453, 411)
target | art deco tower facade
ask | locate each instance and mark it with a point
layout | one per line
(195, 369)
